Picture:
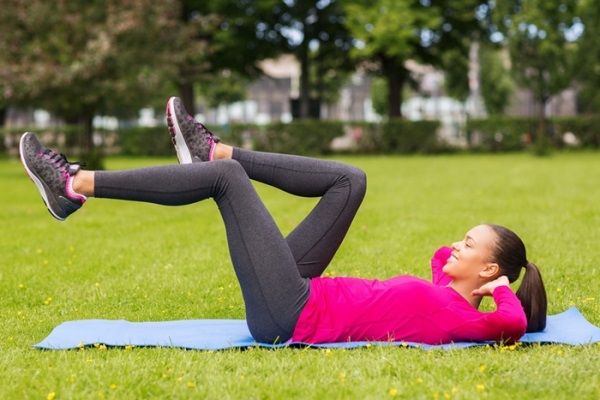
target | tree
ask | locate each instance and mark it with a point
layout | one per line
(232, 37)
(537, 34)
(588, 56)
(78, 59)
(390, 32)
(316, 33)
(496, 82)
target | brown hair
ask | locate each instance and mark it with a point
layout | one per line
(510, 254)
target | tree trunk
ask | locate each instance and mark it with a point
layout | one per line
(91, 154)
(3, 111)
(396, 76)
(186, 92)
(304, 100)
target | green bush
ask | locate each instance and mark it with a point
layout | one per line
(314, 137)
(145, 141)
(499, 134)
(308, 137)
(516, 133)
(585, 128)
(409, 137)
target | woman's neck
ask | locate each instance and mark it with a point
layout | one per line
(465, 289)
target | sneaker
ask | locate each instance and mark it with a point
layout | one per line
(53, 176)
(192, 141)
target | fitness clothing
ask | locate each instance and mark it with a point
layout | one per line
(273, 271)
(285, 296)
(405, 308)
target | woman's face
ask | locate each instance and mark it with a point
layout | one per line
(472, 254)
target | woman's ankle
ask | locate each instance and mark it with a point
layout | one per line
(83, 183)
(222, 152)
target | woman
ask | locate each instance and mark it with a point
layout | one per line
(285, 296)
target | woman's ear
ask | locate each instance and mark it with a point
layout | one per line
(491, 271)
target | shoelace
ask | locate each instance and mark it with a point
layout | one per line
(205, 131)
(61, 162)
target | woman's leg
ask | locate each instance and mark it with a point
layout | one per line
(341, 187)
(273, 290)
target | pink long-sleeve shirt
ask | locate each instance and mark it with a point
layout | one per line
(405, 308)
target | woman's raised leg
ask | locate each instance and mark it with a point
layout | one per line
(341, 187)
(273, 290)
(316, 239)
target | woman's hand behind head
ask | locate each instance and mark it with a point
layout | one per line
(488, 288)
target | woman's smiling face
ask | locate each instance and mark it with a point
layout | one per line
(472, 254)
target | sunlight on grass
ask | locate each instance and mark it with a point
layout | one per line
(142, 262)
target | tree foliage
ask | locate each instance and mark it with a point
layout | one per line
(537, 33)
(588, 57)
(389, 32)
(80, 59)
(497, 84)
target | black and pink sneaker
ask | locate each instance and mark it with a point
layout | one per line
(53, 176)
(192, 141)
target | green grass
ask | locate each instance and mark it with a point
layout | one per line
(143, 262)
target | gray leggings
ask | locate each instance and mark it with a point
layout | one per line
(274, 272)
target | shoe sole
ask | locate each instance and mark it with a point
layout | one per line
(183, 152)
(41, 185)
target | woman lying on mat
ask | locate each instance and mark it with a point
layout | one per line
(285, 295)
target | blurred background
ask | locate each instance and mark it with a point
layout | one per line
(377, 76)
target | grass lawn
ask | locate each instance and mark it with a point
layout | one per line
(141, 262)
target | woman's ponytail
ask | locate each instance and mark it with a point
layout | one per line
(532, 295)
(511, 256)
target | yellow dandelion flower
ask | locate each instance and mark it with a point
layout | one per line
(97, 284)
(393, 392)
(454, 389)
(51, 396)
(480, 388)
(327, 352)
(419, 380)
(113, 386)
(21, 286)
(191, 385)
(481, 368)
(101, 395)
(342, 376)
(39, 251)
(45, 262)
(435, 395)
(447, 395)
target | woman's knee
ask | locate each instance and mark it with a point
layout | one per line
(357, 179)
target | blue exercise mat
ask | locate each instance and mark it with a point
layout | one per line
(569, 327)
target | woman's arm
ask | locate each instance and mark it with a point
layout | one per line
(439, 259)
(508, 323)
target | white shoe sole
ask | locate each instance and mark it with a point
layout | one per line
(183, 152)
